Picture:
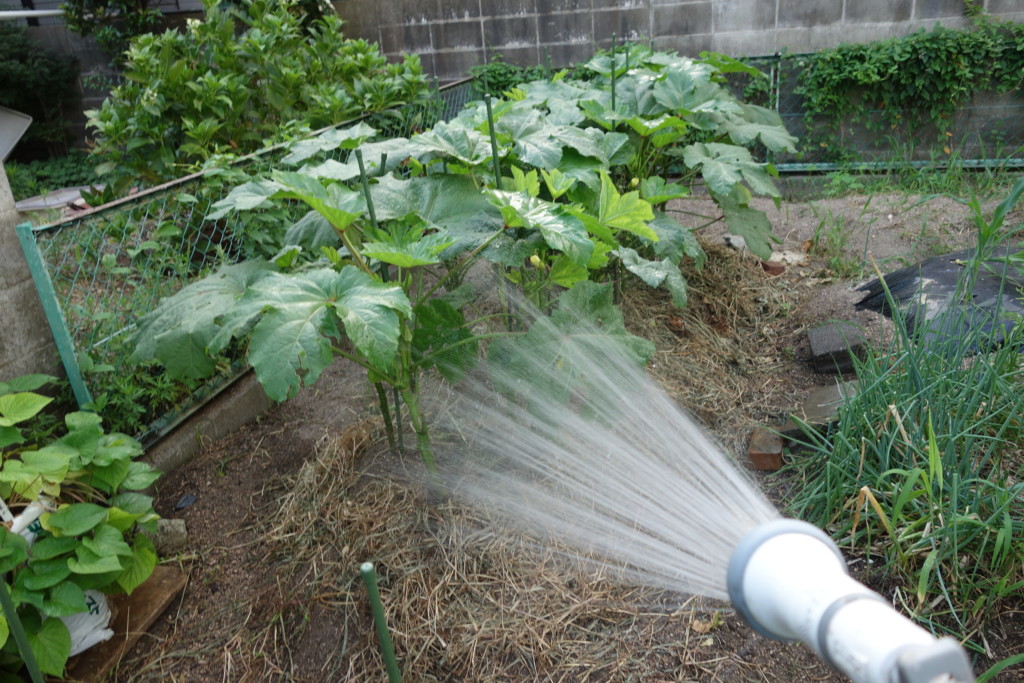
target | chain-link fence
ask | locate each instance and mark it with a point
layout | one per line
(101, 271)
(988, 132)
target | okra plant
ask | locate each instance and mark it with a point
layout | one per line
(540, 184)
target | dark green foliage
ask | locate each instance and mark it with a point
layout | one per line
(112, 23)
(497, 76)
(904, 84)
(89, 485)
(246, 76)
(40, 177)
(40, 84)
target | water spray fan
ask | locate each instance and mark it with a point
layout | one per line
(627, 478)
(789, 582)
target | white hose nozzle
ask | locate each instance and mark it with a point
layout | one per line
(789, 581)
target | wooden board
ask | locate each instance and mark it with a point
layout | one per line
(131, 616)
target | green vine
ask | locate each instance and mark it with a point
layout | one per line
(904, 84)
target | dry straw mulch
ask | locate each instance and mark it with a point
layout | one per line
(465, 600)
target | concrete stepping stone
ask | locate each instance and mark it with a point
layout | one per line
(835, 345)
(820, 408)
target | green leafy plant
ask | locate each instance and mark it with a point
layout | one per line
(496, 76)
(87, 539)
(40, 84)
(245, 76)
(906, 83)
(42, 176)
(112, 23)
(916, 469)
(538, 184)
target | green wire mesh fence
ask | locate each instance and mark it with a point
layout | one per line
(99, 272)
(988, 132)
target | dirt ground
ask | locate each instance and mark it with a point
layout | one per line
(286, 509)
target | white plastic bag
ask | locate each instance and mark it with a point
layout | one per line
(90, 627)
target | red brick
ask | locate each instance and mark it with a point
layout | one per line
(765, 450)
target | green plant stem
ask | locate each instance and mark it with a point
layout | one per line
(387, 649)
(419, 425)
(353, 252)
(14, 624)
(382, 400)
(359, 361)
(398, 419)
(463, 265)
(462, 342)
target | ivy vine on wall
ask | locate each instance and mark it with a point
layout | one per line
(910, 82)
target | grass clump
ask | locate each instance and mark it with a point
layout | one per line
(920, 472)
(923, 466)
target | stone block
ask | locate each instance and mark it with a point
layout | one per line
(170, 536)
(453, 65)
(835, 345)
(682, 20)
(237, 405)
(632, 25)
(458, 35)
(745, 43)
(407, 11)
(819, 408)
(507, 8)
(1011, 8)
(360, 17)
(690, 46)
(569, 53)
(575, 27)
(553, 6)
(935, 9)
(795, 13)
(765, 450)
(402, 39)
(521, 56)
(510, 31)
(744, 15)
(460, 9)
(878, 11)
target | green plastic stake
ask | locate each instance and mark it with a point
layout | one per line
(14, 624)
(613, 73)
(494, 143)
(386, 648)
(366, 189)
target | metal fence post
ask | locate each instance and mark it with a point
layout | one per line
(52, 310)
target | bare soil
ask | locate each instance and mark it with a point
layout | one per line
(287, 508)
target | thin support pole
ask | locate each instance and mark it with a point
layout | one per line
(494, 142)
(387, 649)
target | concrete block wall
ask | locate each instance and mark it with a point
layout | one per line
(26, 345)
(452, 35)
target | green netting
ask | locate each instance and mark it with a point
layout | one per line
(98, 273)
(988, 132)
